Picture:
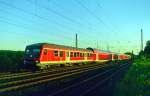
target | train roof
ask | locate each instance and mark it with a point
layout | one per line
(98, 50)
(57, 46)
(104, 51)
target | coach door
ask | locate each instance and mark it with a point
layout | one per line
(85, 56)
(67, 56)
(61, 55)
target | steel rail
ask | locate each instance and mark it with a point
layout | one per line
(83, 81)
(19, 75)
(103, 81)
(50, 78)
(37, 78)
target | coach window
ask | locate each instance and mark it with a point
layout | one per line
(83, 55)
(80, 54)
(75, 54)
(71, 54)
(45, 51)
(61, 54)
(87, 54)
(55, 53)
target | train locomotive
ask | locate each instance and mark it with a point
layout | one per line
(45, 55)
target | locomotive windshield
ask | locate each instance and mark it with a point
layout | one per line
(32, 52)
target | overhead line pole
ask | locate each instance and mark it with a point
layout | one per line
(97, 45)
(141, 40)
(76, 41)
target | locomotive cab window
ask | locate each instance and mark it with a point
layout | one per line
(32, 52)
(28, 51)
(56, 53)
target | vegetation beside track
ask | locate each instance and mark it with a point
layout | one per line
(10, 60)
(137, 80)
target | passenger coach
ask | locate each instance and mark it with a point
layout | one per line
(44, 55)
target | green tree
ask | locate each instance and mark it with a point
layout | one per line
(10, 60)
(147, 49)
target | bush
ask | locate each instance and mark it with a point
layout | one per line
(137, 81)
(10, 60)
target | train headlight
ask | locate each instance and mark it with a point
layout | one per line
(24, 62)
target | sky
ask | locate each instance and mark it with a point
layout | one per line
(112, 25)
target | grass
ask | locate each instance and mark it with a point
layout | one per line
(137, 80)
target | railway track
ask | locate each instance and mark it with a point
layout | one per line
(25, 74)
(88, 85)
(30, 79)
(10, 75)
(38, 73)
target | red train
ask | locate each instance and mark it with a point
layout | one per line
(44, 55)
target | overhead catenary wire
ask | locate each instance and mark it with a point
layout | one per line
(61, 15)
(94, 15)
(58, 5)
(27, 12)
(29, 27)
(64, 17)
(24, 26)
(108, 19)
(36, 15)
(114, 26)
(61, 7)
(30, 13)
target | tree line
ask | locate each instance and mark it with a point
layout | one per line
(146, 51)
(10, 60)
(13, 60)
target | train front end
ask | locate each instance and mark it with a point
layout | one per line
(32, 57)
